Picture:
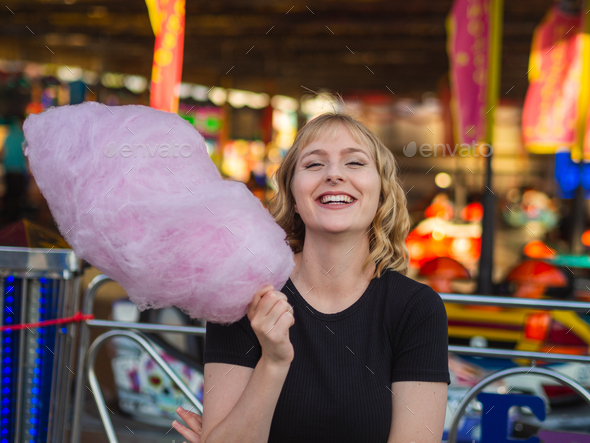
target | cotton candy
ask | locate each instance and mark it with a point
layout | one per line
(134, 192)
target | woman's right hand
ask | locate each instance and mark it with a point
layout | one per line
(271, 316)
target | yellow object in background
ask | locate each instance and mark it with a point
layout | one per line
(167, 19)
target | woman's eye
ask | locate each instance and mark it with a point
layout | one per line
(318, 164)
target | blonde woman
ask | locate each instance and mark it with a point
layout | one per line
(350, 349)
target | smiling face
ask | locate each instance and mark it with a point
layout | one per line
(350, 165)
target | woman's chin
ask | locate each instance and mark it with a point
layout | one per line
(334, 228)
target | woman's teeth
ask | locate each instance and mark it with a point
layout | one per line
(336, 199)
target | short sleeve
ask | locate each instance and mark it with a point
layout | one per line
(421, 345)
(235, 344)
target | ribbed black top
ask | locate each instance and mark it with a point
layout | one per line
(338, 388)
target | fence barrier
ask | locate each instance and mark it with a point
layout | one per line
(87, 354)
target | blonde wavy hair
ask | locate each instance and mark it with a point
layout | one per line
(391, 224)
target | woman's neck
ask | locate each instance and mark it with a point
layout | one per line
(332, 270)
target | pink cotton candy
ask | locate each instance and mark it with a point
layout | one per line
(160, 221)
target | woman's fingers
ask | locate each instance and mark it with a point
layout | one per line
(268, 302)
(193, 420)
(281, 309)
(186, 432)
(285, 320)
(256, 299)
(193, 433)
(190, 417)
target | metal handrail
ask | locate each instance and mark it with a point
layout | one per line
(506, 353)
(510, 302)
(151, 327)
(83, 349)
(452, 437)
(96, 391)
(538, 304)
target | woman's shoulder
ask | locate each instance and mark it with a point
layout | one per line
(401, 288)
(402, 296)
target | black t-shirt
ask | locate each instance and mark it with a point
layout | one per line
(338, 388)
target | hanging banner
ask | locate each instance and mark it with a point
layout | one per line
(551, 112)
(468, 47)
(585, 92)
(167, 19)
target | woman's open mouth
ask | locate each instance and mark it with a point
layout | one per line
(336, 200)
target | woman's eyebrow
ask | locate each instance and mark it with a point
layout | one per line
(342, 152)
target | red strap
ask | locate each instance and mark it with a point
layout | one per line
(77, 317)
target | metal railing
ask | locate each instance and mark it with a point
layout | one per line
(505, 302)
(144, 343)
(470, 395)
(86, 355)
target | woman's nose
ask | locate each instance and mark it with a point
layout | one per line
(334, 172)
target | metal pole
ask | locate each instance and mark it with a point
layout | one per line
(56, 414)
(532, 355)
(79, 390)
(578, 221)
(73, 291)
(486, 261)
(21, 359)
(151, 327)
(512, 302)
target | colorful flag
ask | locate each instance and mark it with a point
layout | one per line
(167, 19)
(585, 93)
(551, 112)
(469, 43)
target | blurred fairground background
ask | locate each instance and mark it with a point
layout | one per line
(390, 62)
(484, 104)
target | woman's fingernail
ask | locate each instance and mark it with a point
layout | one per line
(179, 409)
(175, 423)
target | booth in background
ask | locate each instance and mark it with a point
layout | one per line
(39, 298)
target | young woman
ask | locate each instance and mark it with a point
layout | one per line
(350, 349)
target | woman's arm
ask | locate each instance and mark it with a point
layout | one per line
(239, 405)
(239, 402)
(418, 412)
